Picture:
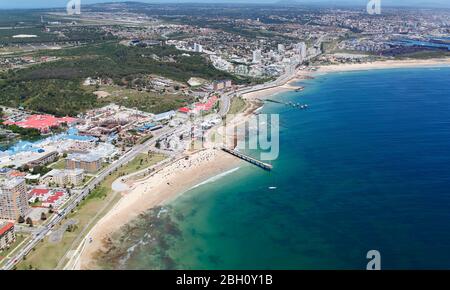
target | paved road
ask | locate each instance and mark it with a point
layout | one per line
(226, 98)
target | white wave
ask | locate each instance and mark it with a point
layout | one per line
(215, 178)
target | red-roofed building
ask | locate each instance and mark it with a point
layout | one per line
(38, 193)
(43, 123)
(205, 107)
(16, 173)
(48, 197)
(184, 110)
(55, 199)
(7, 236)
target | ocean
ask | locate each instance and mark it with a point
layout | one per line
(366, 167)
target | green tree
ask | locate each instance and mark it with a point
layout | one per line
(29, 222)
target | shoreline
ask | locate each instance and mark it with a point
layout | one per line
(386, 64)
(178, 177)
(161, 188)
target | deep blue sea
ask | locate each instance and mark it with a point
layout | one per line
(366, 167)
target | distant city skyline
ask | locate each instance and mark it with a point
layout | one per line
(4, 4)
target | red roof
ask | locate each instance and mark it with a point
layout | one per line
(208, 105)
(6, 228)
(55, 197)
(16, 173)
(59, 193)
(184, 110)
(39, 191)
(42, 122)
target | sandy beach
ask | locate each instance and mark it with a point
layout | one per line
(388, 64)
(306, 74)
(155, 190)
(288, 86)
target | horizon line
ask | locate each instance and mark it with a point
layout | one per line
(238, 2)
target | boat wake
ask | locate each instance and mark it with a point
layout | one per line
(215, 178)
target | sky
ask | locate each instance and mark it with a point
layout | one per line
(8, 4)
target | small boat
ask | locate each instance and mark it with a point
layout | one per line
(272, 187)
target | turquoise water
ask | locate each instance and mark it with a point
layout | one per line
(366, 167)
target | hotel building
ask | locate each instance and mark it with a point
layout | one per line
(13, 199)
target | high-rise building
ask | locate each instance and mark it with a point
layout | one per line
(257, 56)
(198, 47)
(301, 49)
(13, 199)
(7, 235)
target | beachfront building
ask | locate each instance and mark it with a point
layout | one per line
(13, 199)
(88, 162)
(64, 177)
(7, 235)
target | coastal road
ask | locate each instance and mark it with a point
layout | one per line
(282, 80)
(226, 98)
(76, 200)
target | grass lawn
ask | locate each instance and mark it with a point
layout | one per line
(146, 101)
(238, 105)
(98, 203)
(19, 239)
(60, 164)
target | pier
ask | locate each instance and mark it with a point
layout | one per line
(249, 159)
(291, 104)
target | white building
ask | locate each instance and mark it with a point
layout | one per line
(64, 177)
(198, 48)
(164, 116)
(13, 199)
(257, 56)
(301, 50)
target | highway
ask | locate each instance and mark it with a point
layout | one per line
(76, 199)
